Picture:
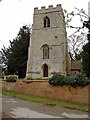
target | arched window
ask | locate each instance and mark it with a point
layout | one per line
(46, 22)
(45, 52)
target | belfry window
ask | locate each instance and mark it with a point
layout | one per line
(46, 22)
(45, 52)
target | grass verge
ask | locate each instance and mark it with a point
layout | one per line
(47, 101)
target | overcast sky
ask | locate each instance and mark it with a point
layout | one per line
(16, 13)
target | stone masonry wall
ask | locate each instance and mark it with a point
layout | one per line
(54, 36)
(44, 89)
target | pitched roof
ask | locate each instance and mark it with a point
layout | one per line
(76, 65)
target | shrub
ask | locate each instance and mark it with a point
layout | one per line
(68, 80)
(11, 79)
(28, 78)
(78, 80)
(57, 79)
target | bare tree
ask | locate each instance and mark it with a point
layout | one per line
(79, 36)
(75, 43)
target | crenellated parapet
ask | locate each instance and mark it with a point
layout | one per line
(49, 9)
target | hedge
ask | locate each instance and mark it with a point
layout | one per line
(75, 81)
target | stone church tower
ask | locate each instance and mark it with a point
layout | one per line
(47, 52)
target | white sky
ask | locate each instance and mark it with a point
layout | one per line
(16, 13)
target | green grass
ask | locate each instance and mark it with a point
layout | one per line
(46, 100)
(0, 91)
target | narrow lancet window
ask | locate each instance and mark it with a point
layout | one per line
(46, 22)
(45, 52)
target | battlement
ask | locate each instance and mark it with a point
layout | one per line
(49, 9)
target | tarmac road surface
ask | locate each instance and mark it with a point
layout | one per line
(17, 108)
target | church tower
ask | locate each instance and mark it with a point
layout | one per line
(47, 52)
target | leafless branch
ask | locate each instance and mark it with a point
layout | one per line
(82, 12)
(75, 31)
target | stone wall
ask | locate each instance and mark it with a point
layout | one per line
(43, 89)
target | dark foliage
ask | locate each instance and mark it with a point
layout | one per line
(57, 79)
(16, 55)
(86, 50)
(11, 79)
(86, 59)
(80, 80)
(76, 81)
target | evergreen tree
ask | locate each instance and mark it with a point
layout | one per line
(86, 58)
(15, 57)
(86, 50)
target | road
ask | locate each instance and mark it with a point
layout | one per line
(17, 108)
